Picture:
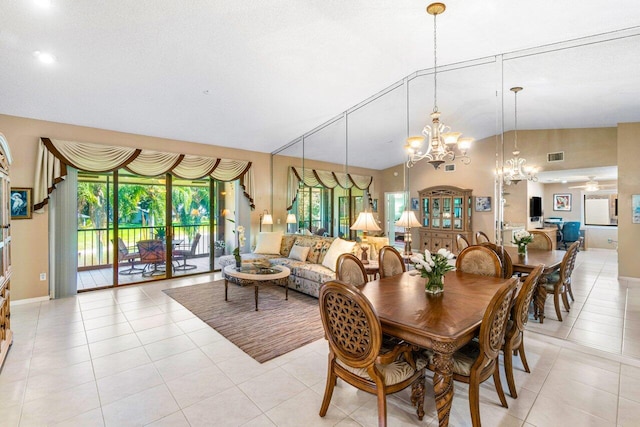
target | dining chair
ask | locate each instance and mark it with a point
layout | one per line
(356, 354)
(479, 259)
(461, 242)
(390, 262)
(570, 232)
(559, 283)
(125, 255)
(478, 360)
(541, 240)
(514, 336)
(350, 269)
(184, 254)
(153, 254)
(505, 258)
(481, 238)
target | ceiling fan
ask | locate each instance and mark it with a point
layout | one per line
(592, 185)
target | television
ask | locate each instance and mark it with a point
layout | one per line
(535, 207)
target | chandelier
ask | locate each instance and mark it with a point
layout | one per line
(442, 143)
(514, 168)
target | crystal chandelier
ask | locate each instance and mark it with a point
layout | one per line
(442, 143)
(514, 168)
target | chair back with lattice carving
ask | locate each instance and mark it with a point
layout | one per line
(541, 240)
(151, 251)
(505, 258)
(494, 322)
(520, 309)
(479, 259)
(350, 323)
(349, 269)
(390, 262)
(568, 262)
(481, 238)
(461, 242)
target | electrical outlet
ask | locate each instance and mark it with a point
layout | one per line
(43, 276)
(278, 221)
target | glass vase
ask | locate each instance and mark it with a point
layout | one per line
(434, 285)
(522, 249)
(238, 261)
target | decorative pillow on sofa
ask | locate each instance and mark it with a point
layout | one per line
(337, 248)
(268, 243)
(318, 245)
(299, 253)
(287, 243)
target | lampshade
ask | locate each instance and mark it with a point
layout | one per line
(408, 220)
(291, 219)
(267, 219)
(365, 222)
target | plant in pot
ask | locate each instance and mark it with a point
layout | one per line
(161, 233)
(219, 247)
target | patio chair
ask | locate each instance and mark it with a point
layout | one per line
(184, 254)
(130, 257)
(153, 255)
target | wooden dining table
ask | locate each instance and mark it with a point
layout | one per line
(443, 323)
(526, 264)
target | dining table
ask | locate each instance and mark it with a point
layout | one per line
(442, 323)
(526, 263)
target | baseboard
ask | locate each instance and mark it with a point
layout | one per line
(630, 279)
(29, 300)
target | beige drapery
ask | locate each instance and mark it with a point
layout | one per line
(320, 178)
(55, 155)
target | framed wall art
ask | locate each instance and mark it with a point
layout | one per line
(483, 204)
(562, 202)
(21, 203)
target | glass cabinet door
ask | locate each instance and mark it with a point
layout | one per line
(457, 213)
(436, 212)
(446, 212)
(426, 212)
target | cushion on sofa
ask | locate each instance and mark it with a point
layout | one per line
(268, 243)
(287, 243)
(299, 253)
(337, 248)
(318, 245)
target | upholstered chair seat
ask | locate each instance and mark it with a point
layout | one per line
(393, 373)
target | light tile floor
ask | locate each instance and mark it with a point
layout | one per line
(133, 356)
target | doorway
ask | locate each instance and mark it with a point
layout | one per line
(394, 206)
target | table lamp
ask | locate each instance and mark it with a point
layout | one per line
(365, 222)
(291, 219)
(265, 218)
(407, 220)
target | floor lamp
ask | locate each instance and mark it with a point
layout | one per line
(365, 223)
(407, 220)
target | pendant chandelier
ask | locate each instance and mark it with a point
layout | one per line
(443, 145)
(514, 168)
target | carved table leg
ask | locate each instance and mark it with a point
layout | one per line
(226, 286)
(417, 396)
(443, 386)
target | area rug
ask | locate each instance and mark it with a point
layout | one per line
(278, 327)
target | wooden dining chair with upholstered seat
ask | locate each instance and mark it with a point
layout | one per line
(349, 269)
(505, 259)
(390, 262)
(478, 360)
(541, 240)
(479, 260)
(514, 336)
(356, 354)
(559, 283)
(481, 238)
(461, 242)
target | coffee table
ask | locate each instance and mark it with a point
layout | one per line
(252, 275)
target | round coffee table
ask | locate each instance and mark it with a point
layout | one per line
(252, 275)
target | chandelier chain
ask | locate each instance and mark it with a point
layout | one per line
(435, 64)
(515, 134)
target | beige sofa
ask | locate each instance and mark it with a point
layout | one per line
(306, 276)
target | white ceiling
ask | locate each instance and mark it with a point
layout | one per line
(276, 69)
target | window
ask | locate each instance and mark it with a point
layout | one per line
(314, 209)
(601, 209)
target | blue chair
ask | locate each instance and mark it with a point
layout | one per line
(570, 233)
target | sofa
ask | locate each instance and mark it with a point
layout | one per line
(306, 276)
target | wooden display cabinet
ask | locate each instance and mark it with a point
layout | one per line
(445, 212)
(6, 336)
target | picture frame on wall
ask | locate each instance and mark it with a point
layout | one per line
(374, 205)
(415, 205)
(483, 204)
(635, 206)
(562, 202)
(21, 206)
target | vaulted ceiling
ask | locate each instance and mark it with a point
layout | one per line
(258, 74)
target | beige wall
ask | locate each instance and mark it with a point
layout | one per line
(29, 250)
(628, 185)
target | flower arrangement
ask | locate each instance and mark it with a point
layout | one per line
(522, 238)
(433, 267)
(240, 240)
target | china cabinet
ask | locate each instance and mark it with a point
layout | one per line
(445, 211)
(5, 251)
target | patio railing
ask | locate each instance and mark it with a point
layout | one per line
(95, 245)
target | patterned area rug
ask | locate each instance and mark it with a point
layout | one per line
(278, 326)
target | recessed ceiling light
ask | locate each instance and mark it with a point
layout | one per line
(206, 92)
(45, 4)
(44, 57)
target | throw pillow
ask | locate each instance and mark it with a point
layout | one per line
(268, 243)
(299, 252)
(337, 248)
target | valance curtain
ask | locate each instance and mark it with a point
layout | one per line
(55, 155)
(327, 179)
